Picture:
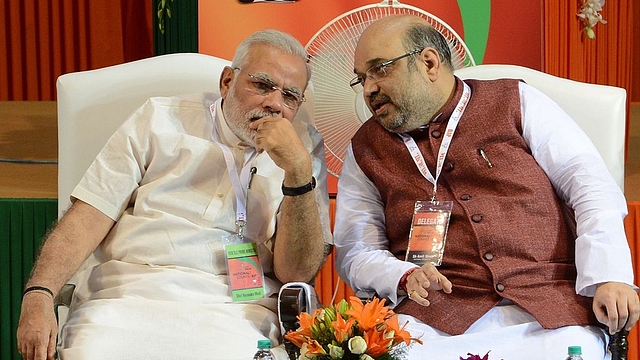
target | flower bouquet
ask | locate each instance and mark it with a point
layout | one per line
(354, 330)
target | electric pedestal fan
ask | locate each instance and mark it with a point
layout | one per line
(339, 111)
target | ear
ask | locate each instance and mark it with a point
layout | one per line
(226, 78)
(430, 57)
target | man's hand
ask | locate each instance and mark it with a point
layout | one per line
(37, 327)
(616, 305)
(426, 278)
(278, 138)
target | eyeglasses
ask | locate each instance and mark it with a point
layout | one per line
(264, 87)
(377, 72)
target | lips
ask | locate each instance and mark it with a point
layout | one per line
(378, 103)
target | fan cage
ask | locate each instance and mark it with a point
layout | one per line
(339, 111)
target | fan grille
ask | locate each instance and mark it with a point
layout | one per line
(339, 111)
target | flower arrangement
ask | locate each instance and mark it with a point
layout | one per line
(354, 330)
(590, 15)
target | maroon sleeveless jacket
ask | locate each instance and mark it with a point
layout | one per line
(507, 237)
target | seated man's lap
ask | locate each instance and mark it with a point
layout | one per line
(143, 329)
(509, 333)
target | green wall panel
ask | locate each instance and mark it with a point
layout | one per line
(23, 224)
(180, 30)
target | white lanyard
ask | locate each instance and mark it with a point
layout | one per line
(236, 181)
(417, 157)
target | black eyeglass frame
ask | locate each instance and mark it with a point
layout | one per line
(299, 98)
(360, 79)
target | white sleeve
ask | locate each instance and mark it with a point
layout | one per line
(581, 179)
(362, 255)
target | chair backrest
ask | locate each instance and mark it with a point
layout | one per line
(599, 110)
(93, 104)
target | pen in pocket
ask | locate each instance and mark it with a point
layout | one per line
(484, 156)
(252, 172)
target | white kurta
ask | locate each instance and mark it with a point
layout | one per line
(578, 175)
(158, 286)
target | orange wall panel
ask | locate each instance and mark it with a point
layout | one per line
(41, 40)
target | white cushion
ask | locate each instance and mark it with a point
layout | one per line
(600, 110)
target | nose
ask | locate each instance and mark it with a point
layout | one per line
(370, 87)
(274, 101)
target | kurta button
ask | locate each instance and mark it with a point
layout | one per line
(448, 167)
(488, 256)
(465, 197)
(500, 287)
(436, 134)
(476, 218)
(220, 195)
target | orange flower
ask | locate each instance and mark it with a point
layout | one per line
(342, 328)
(399, 333)
(370, 314)
(314, 348)
(377, 345)
(303, 333)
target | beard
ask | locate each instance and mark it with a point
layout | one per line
(239, 119)
(415, 107)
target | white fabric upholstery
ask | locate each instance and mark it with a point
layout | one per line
(600, 110)
(93, 104)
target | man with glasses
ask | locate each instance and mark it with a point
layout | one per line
(496, 161)
(175, 207)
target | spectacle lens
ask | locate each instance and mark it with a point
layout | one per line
(376, 72)
(264, 87)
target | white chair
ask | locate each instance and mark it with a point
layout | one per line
(599, 110)
(93, 104)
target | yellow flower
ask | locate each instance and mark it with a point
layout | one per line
(357, 345)
(336, 352)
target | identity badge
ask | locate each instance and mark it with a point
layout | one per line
(428, 232)
(246, 278)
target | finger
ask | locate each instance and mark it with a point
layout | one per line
(600, 314)
(634, 313)
(51, 349)
(445, 284)
(611, 312)
(41, 352)
(416, 296)
(623, 316)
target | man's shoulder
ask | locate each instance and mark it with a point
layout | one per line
(191, 100)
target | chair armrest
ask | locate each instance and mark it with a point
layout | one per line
(293, 299)
(618, 345)
(64, 296)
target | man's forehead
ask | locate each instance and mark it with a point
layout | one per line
(278, 68)
(370, 52)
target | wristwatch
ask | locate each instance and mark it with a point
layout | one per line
(295, 191)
